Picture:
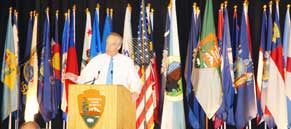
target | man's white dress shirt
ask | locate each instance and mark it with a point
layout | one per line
(124, 72)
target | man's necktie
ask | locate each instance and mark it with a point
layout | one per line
(109, 79)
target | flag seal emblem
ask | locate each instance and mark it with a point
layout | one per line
(91, 106)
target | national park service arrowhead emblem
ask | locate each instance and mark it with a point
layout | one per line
(91, 106)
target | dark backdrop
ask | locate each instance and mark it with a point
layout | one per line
(184, 11)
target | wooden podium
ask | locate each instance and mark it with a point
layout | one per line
(100, 107)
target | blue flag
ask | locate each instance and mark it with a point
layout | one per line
(65, 47)
(9, 74)
(173, 116)
(106, 31)
(285, 50)
(46, 81)
(95, 47)
(164, 61)
(234, 36)
(56, 64)
(24, 64)
(194, 118)
(244, 79)
(261, 62)
(226, 111)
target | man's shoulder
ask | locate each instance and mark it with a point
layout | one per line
(98, 58)
(124, 57)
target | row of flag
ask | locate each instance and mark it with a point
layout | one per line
(33, 80)
(219, 72)
(233, 95)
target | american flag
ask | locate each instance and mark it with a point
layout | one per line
(143, 55)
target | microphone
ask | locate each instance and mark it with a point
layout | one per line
(93, 80)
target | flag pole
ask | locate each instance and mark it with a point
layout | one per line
(17, 100)
(50, 124)
(64, 122)
(10, 115)
(10, 119)
(143, 62)
(206, 122)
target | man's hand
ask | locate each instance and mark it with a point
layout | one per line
(134, 96)
(70, 76)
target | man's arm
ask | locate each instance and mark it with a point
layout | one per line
(87, 74)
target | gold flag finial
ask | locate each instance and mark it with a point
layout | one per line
(87, 10)
(265, 7)
(288, 6)
(270, 3)
(15, 13)
(10, 9)
(30, 13)
(235, 8)
(170, 4)
(194, 5)
(225, 4)
(149, 5)
(98, 6)
(107, 10)
(129, 6)
(221, 6)
(246, 2)
(152, 11)
(198, 10)
(111, 12)
(74, 8)
(57, 12)
(47, 9)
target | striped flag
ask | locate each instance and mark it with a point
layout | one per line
(87, 41)
(142, 56)
(173, 116)
(154, 75)
(32, 106)
(10, 70)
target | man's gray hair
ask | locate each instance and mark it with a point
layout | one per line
(30, 125)
(115, 35)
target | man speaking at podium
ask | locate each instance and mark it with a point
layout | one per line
(110, 68)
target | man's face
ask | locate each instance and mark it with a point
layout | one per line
(113, 45)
